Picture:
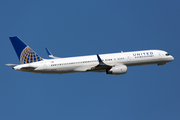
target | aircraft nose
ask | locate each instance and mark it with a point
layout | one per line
(172, 58)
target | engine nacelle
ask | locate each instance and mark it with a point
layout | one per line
(117, 70)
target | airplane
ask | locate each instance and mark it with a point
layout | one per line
(113, 64)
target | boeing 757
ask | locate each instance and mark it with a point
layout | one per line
(114, 63)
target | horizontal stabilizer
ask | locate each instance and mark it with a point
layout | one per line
(11, 65)
(28, 68)
(50, 54)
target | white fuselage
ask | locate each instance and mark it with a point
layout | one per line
(87, 63)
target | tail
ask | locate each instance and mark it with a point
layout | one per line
(24, 52)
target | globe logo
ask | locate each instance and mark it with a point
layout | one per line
(29, 56)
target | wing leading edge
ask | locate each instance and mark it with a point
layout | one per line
(101, 64)
(99, 67)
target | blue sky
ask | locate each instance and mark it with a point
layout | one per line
(75, 28)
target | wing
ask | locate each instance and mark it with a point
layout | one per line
(83, 69)
(50, 54)
(100, 67)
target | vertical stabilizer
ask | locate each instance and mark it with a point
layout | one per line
(23, 51)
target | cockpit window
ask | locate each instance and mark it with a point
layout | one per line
(167, 54)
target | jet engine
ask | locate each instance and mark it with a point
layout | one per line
(117, 70)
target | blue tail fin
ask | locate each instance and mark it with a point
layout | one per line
(23, 51)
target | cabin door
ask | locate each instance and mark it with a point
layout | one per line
(128, 58)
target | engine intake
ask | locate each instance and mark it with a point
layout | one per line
(117, 70)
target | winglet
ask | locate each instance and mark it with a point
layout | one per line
(101, 62)
(99, 59)
(101, 65)
(50, 54)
